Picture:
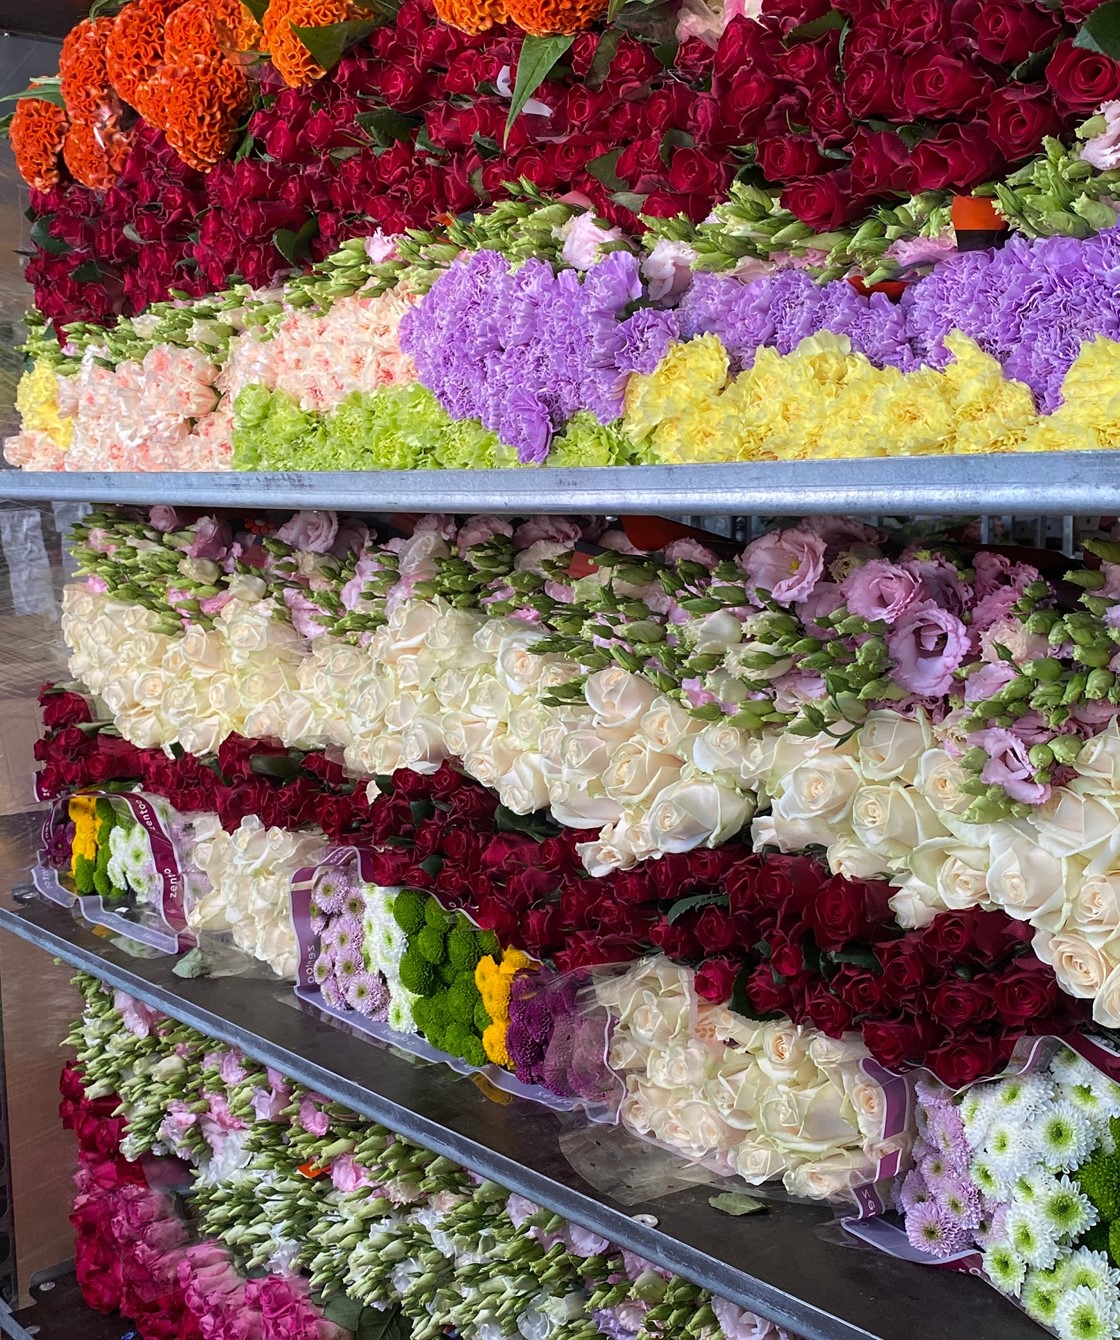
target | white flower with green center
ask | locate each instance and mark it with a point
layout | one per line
(984, 1176)
(1034, 1186)
(1040, 1296)
(400, 1018)
(1020, 1095)
(976, 1113)
(1063, 1136)
(1008, 1152)
(1082, 1314)
(1094, 1271)
(1031, 1236)
(1005, 1268)
(1068, 1211)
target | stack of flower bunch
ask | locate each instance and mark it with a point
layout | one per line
(608, 352)
(1025, 1171)
(309, 1220)
(105, 850)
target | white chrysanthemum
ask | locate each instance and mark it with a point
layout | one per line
(400, 1018)
(1031, 1236)
(1083, 1314)
(1063, 1136)
(1067, 1210)
(1040, 1295)
(1008, 1151)
(976, 1114)
(1093, 1270)
(1020, 1096)
(1033, 1186)
(1005, 1268)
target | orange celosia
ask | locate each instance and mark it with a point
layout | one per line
(37, 133)
(295, 63)
(546, 18)
(210, 28)
(471, 16)
(198, 104)
(81, 68)
(134, 51)
(96, 155)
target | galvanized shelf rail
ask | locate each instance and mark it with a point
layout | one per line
(785, 1264)
(1085, 483)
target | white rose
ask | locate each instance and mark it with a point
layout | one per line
(757, 1161)
(891, 746)
(695, 1128)
(1025, 881)
(635, 773)
(246, 588)
(584, 755)
(223, 697)
(722, 749)
(828, 1053)
(938, 779)
(246, 626)
(829, 1178)
(808, 1120)
(517, 667)
(117, 696)
(620, 846)
(848, 856)
(1072, 824)
(1094, 908)
(679, 1066)
(893, 819)
(422, 745)
(821, 789)
(696, 813)
(575, 805)
(489, 764)
(1106, 1006)
(666, 723)
(910, 906)
(384, 754)
(617, 697)
(523, 789)
(954, 873)
(1098, 763)
(454, 630)
(868, 1101)
(1080, 967)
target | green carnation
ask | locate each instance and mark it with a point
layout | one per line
(447, 972)
(431, 942)
(457, 1039)
(408, 910)
(417, 974)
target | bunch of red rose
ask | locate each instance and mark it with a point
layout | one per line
(909, 96)
(409, 126)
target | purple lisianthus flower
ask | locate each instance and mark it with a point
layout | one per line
(927, 644)
(1009, 765)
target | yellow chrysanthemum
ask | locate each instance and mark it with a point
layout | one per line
(37, 402)
(82, 812)
(494, 1044)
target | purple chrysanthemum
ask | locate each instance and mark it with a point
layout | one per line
(367, 993)
(930, 1230)
(959, 1200)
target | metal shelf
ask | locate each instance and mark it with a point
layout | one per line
(784, 1265)
(1084, 483)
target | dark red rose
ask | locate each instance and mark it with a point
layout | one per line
(827, 114)
(905, 969)
(938, 85)
(957, 157)
(790, 14)
(828, 1013)
(951, 933)
(64, 709)
(824, 202)
(541, 930)
(789, 158)
(1019, 117)
(910, 24)
(880, 161)
(964, 1060)
(845, 910)
(958, 1002)
(1027, 994)
(805, 64)
(715, 929)
(329, 770)
(766, 995)
(896, 1043)
(873, 85)
(715, 978)
(665, 204)
(738, 112)
(1082, 79)
(859, 988)
(694, 58)
(667, 108)
(693, 172)
(1008, 31)
(676, 941)
(745, 45)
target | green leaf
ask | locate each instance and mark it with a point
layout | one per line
(432, 865)
(47, 89)
(735, 1202)
(604, 54)
(327, 44)
(817, 27)
(859, 957)
(101, 9)
(385, 126)
(391, 1324)
(538, 56)
(603, 169)
(537, 825)
(694, 900)
(244, 146)
(674, 139)
(257, 8)
(192, 965)
(344, 1311)
(280, 766)
(666, 53)
(41, 236)
(421, 810)
(487, 146)
(1101, 30)
(614, 9)
(294, 246)
(6, 124)
(89, 272)
(130, 232)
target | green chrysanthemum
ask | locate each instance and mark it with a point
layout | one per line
(1005, 1269)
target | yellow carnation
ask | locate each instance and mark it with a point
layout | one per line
(37, 402)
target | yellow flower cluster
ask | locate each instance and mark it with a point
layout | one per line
(83, 814)
(495, 982)
(823, 401)
(37, 402)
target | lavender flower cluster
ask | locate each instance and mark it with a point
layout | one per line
(943, 1206)
(523, 352)
(340, 969)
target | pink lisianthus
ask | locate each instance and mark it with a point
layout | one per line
(556, 528)
(138, 1018)
(987, 681)
(1103, 150)
(312, 1118)
(310, 531)
(480, 530)
(212, 539)
(880, 591)
(163, 518)
(303, 612)
(1009, 766)
(688, 550)
(927, 644)
(787, 563)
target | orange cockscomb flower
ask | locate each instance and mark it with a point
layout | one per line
(295, 63)
(546, 18)
(96, 155)
(198, 104)
(471, 16)
(134, 51)
(210, 28)
(37, 133)
(81, 68)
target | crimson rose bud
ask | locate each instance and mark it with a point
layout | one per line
(894, 1043)
(789, 157)
(1082, 79)
(1020, 116)
(828, 1013)
(872, 83)
(937, 84)
(716, 977)
(967, 1059)
(957, 1003)
(1008, 31)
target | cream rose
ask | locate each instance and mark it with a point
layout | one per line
(617, 697)
(635, 773)
(891, 746)
(666, 724)
(938, 779)
(523, 788)
(721, 750)
(1073, 824)
(422, 745)
(829, 1178)
(1080, 967)
(1106, 1006)
(848, 856)
(694, 813)
(1094, 908)
(954, 874)
(893, 819)
(757, 1161)
(1025, 881)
